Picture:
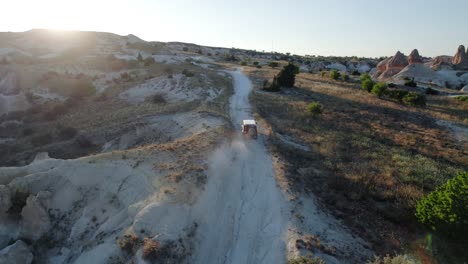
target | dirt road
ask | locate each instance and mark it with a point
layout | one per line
(241, 212)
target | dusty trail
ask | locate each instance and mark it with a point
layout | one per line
(241, 214)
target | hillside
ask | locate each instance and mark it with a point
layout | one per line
(118, 150)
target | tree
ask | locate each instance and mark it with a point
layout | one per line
(287, 76)
(140, 58)
(445, 210)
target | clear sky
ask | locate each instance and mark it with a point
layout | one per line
(315, 27)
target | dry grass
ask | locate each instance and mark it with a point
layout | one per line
(375, 157)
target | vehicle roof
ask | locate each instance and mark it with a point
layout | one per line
(249, 122)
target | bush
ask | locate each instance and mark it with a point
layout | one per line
(379, 89)
(185, 49)
(187, 73)
(139, 58)
(431, 91)
(396, 94)
(306, 260)
(345, 77)
(391, 85)
(445, 210)
(315, 108)
(273, 64)
(462, 98)
(243, 63)
(151, 249)
(128, 243)
(367, 85)
(255, 63)
(259, 66)
(287, 76)
(410, 83)
(365, 76)
(322, 73)
(414, 99)
(156, 99)
(355, 73)
(334, 74)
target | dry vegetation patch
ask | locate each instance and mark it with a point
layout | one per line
(376, 157)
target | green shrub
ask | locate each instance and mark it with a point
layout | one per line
(287, 76)
(391, 85)
(367, 85)
(315, 108)
(345, 77)
(365, 76)
(355, 73)
(462, 98)
(273, 64)
(410, 83)
(379, 89)
(306, 260)
(431, 91)
(334, 74)
(243, 63)
(445, 210)
(397, 94)
(255, 63)
(414, 99)
(322, 73)
(259, 66)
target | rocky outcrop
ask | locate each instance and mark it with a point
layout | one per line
(382, 66)
(5, 199)
(17, 253)
(391, 66)
(440, 62)
(460, 60)
(35, 218)
(398, 61)
(414, 57)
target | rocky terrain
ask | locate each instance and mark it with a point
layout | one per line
(118, 150)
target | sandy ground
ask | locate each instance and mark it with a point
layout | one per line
(241, 212)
